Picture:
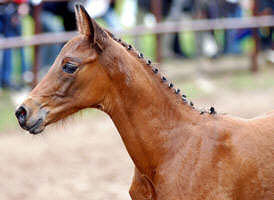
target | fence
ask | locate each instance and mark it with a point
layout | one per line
(158, 29)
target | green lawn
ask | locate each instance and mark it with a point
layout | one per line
(7, 117)
(235, 81)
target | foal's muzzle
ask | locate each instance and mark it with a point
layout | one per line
(30, 121)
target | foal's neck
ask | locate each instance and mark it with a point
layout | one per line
(147, 114)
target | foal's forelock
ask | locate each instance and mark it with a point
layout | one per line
(147, 63)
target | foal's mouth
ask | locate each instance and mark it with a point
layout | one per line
(36, 128)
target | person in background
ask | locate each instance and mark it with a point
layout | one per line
(50, 23)
(212, 9)
(232, 9)
(10, 27)
(179, 9)
(266, 7)
(145, 11)
(64, 10)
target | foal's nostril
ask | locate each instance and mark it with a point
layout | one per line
(21, 114)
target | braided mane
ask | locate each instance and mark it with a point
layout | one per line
(147, 62)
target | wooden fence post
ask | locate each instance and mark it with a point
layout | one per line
(156, 7)
(255, 34)
(35, 69)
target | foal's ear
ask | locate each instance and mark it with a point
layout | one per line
(89, 27)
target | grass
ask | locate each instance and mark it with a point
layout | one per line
(249, 81)
(191, 89)
(237, 82)
(7, 118)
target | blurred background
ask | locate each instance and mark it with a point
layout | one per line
(219, 52)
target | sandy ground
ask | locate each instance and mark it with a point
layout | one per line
(85, 159)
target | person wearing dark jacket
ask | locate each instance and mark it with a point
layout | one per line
(10, 27)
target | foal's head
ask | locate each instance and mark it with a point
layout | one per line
(76, 80)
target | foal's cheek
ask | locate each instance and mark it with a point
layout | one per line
(65, 85)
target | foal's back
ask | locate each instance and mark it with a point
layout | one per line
(233, 160)
(254, 147)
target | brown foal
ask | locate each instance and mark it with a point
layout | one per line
(179, 152)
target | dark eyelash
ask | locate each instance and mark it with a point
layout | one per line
(69, 68)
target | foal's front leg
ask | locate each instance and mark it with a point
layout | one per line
(141, 188)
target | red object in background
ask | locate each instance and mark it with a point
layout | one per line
(19, 1)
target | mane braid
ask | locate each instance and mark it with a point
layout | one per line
(155, 70)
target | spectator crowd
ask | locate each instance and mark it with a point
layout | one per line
(17, 19)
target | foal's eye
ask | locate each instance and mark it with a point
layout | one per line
(69, 68)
